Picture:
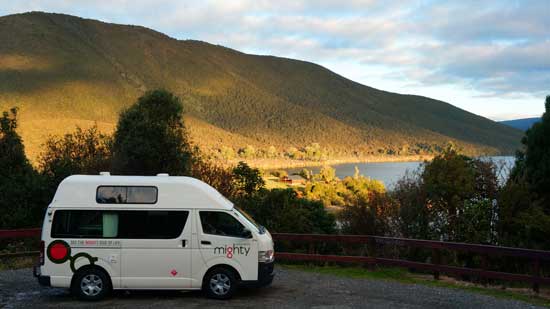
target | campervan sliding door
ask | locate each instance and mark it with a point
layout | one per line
(156, 250)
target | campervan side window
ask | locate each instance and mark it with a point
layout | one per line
(139, 224)
(126, 195)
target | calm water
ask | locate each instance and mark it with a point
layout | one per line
(390, 172)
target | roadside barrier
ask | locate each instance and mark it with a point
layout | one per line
(534, 257)
(437, 266)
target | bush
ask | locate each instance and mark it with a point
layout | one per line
(368, 214)
(283, 211)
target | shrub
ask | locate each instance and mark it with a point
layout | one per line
(281, 210)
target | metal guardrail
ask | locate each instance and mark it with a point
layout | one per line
(534, 256)
(22, 233)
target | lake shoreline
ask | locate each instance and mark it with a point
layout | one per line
(272, 164)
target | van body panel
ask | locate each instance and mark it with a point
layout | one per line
(158, 263)
(237, 252)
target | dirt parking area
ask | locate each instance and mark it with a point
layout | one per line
(291, 289)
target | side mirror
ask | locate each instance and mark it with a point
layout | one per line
(247, 233)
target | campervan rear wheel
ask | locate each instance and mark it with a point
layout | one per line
(220, 283)
(90, 283)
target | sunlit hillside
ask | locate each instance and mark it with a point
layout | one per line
(64, 71)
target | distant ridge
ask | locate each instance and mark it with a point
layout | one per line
(64, 71)
(521, 124)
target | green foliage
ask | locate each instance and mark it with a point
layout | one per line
(217, 176)
(306, 174)
(247, 180)
(340, 193)
(272, 152)
(535, 165)
(227, 153)
(327, 174)
(282, 211)
(453, 198)
(368, 214)
(80, 152)
(150, 137)
(22, 199)
(525, 200)
(279, 173)
(249, 152)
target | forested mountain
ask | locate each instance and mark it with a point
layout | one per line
(522, 124)
(64, 71)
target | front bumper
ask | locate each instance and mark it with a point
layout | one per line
(42, 280)
(266, 273)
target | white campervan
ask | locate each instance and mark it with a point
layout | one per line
(149, 232)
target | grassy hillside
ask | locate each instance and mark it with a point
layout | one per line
(64, 71)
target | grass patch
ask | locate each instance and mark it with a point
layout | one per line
(17, 262)
(403, 276)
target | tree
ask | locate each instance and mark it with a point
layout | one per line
(327, 174)
(525, 200)
(249, 152)
(247, 180)
(271, 152)
(150, 137)
(23, 198)
(535, 165)
(452, 198)
(81, 152)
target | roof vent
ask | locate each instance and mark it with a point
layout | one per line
(163, 174)
(104, 173)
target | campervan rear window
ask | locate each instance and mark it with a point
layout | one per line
(126, 195)
(130, 224)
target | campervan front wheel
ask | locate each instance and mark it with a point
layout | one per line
(220, 283)
(90, 283)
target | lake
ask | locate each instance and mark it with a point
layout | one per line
(390, 172)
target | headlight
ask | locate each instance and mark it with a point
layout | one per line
(266, 256)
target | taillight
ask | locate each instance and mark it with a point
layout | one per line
(41, 259)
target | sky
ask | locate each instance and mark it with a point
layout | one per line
(488, 57)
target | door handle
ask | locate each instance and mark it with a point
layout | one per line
(184, 242)
(205, 242)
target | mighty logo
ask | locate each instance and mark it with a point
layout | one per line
(229, 251)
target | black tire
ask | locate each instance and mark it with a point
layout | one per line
(220, 283)
(91, 284)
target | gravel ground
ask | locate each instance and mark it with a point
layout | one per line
(291, 289)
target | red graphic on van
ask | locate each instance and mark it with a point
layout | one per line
(174, 272)
(59, 252)
(229, 252)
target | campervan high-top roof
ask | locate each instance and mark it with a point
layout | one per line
(173, 191)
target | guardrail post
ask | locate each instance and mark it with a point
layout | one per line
(371, 251)
(484, 268)
(436, 260)
(536, 275)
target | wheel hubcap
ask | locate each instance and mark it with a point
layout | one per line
(220, 284)
(91, 285)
